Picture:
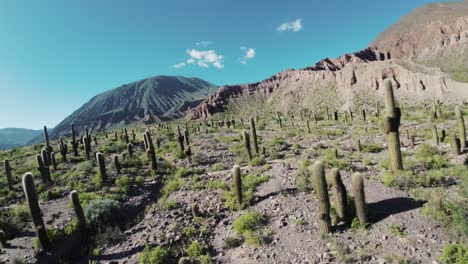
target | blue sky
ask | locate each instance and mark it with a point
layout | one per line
(55, 55)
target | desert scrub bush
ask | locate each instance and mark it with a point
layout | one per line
(303, 175)
(71, 227)
(217, 167)
(103, 213)
(454, 254)
(429, 157)
(125, 183)
(171, 205)
(328, 157)
(131, 163)
(250, 227)
(277, 144)
(113, 147)
(402, 180)
(216, 184)
(189, 231)
(80, 171)
(173, 183)
(198, 157)
(10, 225)
(157, 255)
(398, 230)
(257, 161)
(55, 235)
(372, 148)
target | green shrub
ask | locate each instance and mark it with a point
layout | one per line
(124, 184)
(103, 213)
(157, 255)
(195, 249)
(248, 222)
(71, 226)
(257, 161)
(429, 157)
(303, 175)
(454, 254)
(372, 148)
(189, 231)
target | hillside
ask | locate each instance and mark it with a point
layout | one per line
(145, 101)
(15, 137)
(425, 55)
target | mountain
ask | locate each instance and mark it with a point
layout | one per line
(144, 101)
(425, 54)
(15, 137)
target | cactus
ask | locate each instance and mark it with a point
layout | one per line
(43, 169)
(133, 135)
(359, 146)
(180, 138)
(359, 197)
(78, 211)
(340, 195)
(102, 166)
(35, 210)
(253, 132)
(461, 127)
(246, 137)
(308, 125)
(117, 164)
(8, 174)
(87, 148)
(46, 136)
(412, 141)
(442, 137)
(95, 141)
(3, 240)
(455, 144)
(53, 161)
(237, 184)
(194, 208)
(363, 113)
(435, 134)
(278, 118)
(150, 151)
(328, 112)
(335, 115)
(45, 157)
(63, 149)
(320, 186)
(434, 109)
(125, 135)
(391, 122)
(74, 143)
(130, 150)
(186, 134)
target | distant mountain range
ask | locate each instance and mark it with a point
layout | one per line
(15, 137)
(145, 101)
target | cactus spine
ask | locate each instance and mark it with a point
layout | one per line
(117, 164)
(8, 174)
(150, 151)
(237, 184)
(78, 211)
(461, 127)
(340, 195)
(391, 124)
(253, 132)
(246, 138)
(359, 197)
(320, 186)
(102, 166)
(35, 210)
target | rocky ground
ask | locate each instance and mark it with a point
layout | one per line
(400, 231)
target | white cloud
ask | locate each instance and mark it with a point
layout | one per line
(203, 58)
(249, 54)
(203, 43)
(179, 65)
(291, 26)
